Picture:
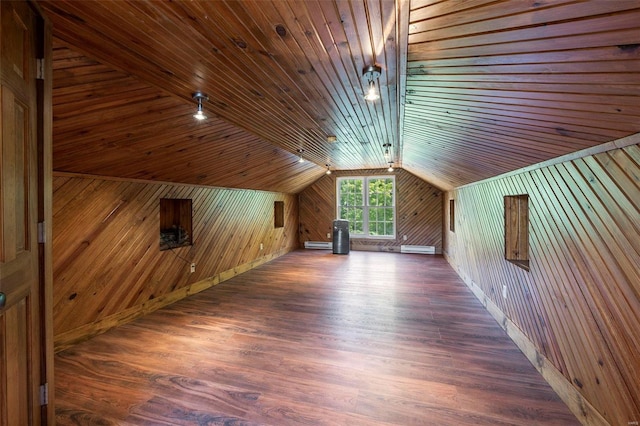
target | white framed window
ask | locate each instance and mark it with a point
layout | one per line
(369, 204)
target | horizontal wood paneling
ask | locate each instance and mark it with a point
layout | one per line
(493, 86)
(109, 123)
(419, 212)
(580, 303)
(289, 72)
(470, 90)
(107, 256)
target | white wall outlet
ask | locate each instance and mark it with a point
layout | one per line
(404, 238)
(504, 291)
(193, 268)
(328, 234)
(261, 246)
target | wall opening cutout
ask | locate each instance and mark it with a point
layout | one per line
(516, 230)
(278, 214)
(452, 215)
(175, 223)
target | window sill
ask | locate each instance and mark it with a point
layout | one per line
(376, 237)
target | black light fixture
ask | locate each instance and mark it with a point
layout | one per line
(371, 73)
(199, 97)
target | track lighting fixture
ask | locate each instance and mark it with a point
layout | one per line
(199, 97)
(370, 74)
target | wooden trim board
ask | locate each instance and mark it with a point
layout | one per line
(608, 146)
(77, 335)
(578, 405)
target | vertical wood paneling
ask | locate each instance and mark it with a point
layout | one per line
(580, 302)
(106, 243)
(418, 214)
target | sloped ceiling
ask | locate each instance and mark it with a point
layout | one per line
(469, 89)
(108, 123)
(494, 86)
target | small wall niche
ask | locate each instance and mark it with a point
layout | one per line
(278, 214)
(452, 215)
(175, 223)
(516, 230)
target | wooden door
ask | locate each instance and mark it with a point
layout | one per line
(20, 312)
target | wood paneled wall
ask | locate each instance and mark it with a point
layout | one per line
(108, 267)
(419, 212)
(579, 305)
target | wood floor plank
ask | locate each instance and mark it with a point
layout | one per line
(311, 338)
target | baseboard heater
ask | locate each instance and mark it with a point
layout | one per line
(418, 249)
(318, 245)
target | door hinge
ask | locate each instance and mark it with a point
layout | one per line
(40, 68)
(42, 236)
(44, 394)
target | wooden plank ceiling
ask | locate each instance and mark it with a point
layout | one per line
(469, 90)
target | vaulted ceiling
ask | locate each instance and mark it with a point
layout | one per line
(469, 89)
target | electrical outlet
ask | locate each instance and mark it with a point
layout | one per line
(404, 237)
(193, 268)
(328, 234)
(504, 291)
(261, 246)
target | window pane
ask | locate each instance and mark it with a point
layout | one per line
(388, 215)
(378, 201)
(357, 225)
(388, 229)
(350, 200)
(373, 228)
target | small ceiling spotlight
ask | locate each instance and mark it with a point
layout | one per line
(199, 97)
(328, 169)
(387, 154)
(390, 169)
(301, 159)
(370, 74)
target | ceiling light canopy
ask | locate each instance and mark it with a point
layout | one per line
(199, 97)
(370, 74)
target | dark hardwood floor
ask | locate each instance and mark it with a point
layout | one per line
(312, 338)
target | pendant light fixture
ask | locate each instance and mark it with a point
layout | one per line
(199, 97)
(387, 154)
(301, 159)
(328, 169)
(370, 74)
(390, 169)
